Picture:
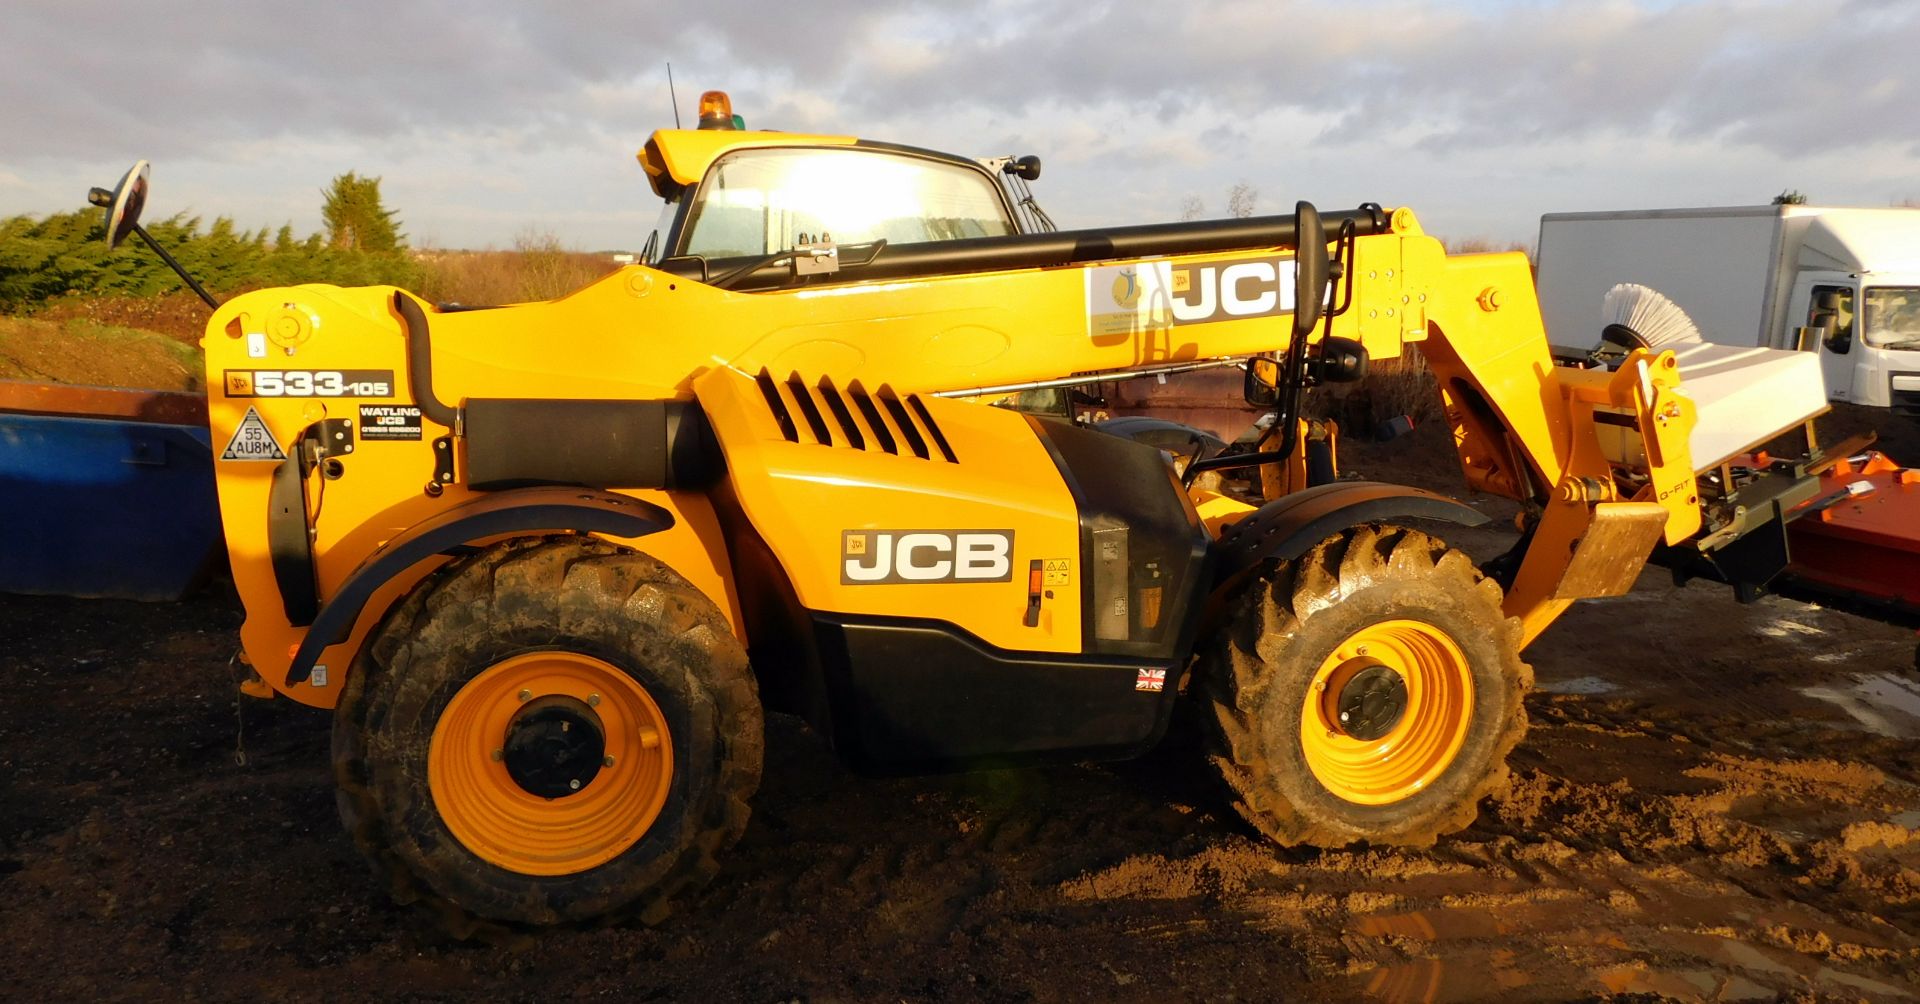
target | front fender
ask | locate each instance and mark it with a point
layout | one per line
(495, 514)
(1289, 527)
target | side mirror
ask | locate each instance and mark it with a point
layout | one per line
(1342, 360)
(123, 204)
(1311, 271)
(1261, 387)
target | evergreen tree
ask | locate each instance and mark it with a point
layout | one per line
(355, 218)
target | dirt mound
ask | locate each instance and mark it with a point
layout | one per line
(179, 315)
(79, 351)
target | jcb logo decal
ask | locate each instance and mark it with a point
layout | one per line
(1225, 290)
(1123, 300)
(871, 557)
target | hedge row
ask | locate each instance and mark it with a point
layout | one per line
(64, 254)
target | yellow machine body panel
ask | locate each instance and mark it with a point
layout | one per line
(867, 532)
(280, 362)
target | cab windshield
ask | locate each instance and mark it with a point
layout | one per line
(656, 246)
(757, 202)
(1892, 316)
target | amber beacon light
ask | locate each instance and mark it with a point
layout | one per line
(716, 111)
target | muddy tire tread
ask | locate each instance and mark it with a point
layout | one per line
(1238, 669)
(519, 585)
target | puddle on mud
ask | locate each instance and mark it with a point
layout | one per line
(1886, 704)
(1578, 685)
(1787, 627)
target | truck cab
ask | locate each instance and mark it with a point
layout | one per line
(1856, 301)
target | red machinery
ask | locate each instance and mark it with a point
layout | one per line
(1859, 539)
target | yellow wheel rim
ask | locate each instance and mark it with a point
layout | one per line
(506, 825)
(1420, 745)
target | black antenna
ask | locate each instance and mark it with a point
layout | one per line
(672, 98)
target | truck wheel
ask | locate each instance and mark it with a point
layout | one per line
(1369, 691)
(549, 731)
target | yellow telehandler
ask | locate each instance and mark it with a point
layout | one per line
(548, 562)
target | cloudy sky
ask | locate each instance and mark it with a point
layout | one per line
(491, 120)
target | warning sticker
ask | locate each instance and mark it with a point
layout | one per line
(1059, 572)
(252, 441)
(390, 422)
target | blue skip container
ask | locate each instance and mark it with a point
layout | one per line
(105, 492)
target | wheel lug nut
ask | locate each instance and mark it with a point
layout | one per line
(574, 784)
(608, 762)
(525, 696)
(1362, 650)
(593, 700)
(499, 755)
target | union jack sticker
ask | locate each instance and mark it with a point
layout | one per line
(1151, 679)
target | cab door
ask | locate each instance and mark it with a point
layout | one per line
(1824, 309)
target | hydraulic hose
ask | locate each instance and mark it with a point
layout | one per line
(420, 362)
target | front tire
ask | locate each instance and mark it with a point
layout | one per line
(551, 731)
(1369, 691)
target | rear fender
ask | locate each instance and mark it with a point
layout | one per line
(492, 515)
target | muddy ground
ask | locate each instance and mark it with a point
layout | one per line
(1715, 801)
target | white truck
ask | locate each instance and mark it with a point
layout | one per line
(1842, 283)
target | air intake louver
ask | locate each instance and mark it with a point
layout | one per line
(829, 416)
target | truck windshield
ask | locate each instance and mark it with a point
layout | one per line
(756, 202)
(1892, 315)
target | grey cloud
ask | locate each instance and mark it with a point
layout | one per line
(175, 80)
(1770, 74)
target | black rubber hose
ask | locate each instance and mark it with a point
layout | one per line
(420, 361)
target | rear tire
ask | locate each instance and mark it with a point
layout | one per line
(1375, 619)
(652, 738)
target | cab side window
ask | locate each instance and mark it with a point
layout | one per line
(1831, 311)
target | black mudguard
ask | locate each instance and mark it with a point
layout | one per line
(1289, 527)
(495, 514)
